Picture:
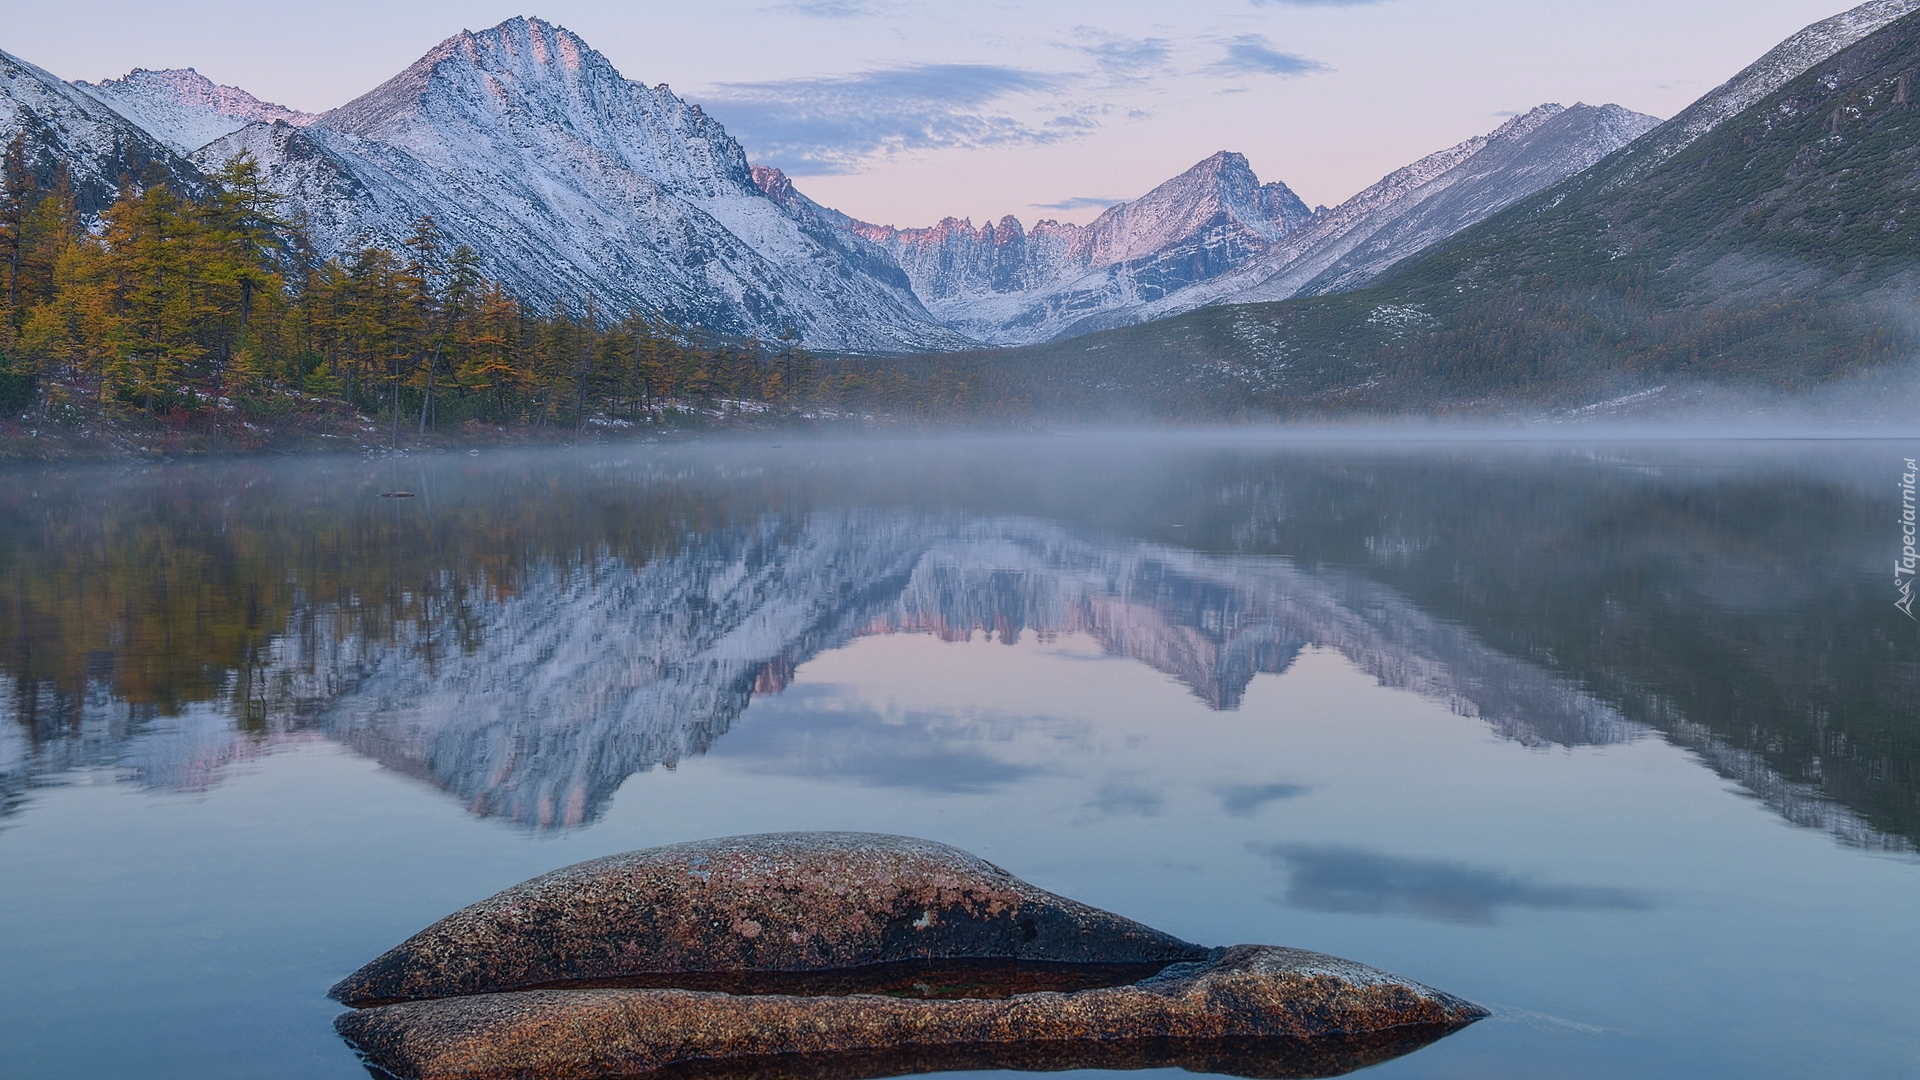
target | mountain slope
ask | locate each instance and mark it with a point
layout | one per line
(184, 109)
(1782, 64)
(1778, 249)
(571, 182)
(64, 127)
(1003, 284)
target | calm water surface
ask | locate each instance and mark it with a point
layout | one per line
(1622, 741)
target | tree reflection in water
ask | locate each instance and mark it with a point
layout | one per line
(532, 631)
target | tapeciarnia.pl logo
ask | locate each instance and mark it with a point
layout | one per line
(1903, 567)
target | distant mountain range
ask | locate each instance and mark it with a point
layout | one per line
(1768, 237)
(1215, 234)
(1003, 284)
(573, 182)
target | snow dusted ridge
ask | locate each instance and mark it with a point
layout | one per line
(1003, 284)
(1780, 66)
(65, 126)
(1215, 234)
(571, 181)
(184, 109)
(1413, 208)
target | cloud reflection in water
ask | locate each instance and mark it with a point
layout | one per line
(1245, 800)
(809, 731)
(1351, 880)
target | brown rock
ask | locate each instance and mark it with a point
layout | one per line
(839, 956)
(792, 912)
(1255, 1011)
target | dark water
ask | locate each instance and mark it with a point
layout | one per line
(1622, 741)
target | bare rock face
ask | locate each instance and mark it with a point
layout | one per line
(850, 955)
(786, 909)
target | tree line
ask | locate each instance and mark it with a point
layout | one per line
(177, 300)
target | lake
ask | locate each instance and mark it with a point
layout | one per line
(1618, 739)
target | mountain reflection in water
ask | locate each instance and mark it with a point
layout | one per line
(530, 633)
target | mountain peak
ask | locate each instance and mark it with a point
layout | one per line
(572, 181)
(1223, 184)
(185, 109)
(520, 59)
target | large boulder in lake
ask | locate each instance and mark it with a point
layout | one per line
(837, 956)
(785, 908)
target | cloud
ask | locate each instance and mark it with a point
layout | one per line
(1078, 202)
(1122, 59)
(1253, 54)
(1353, 880)
(1245, 800)
(830, 9)
(829, 124)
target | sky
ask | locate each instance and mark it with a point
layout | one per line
(904, 112)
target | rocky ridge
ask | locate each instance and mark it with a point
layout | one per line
(1216, 234)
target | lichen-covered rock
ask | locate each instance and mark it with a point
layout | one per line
(1256, 1010)
(778, 907)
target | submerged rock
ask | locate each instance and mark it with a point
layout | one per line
(844, 955)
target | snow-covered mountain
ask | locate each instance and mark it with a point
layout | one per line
(1413, 208)
(64, 127)
(185, 109)
(1216, 234)
(572, 181)
(1004, 284)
